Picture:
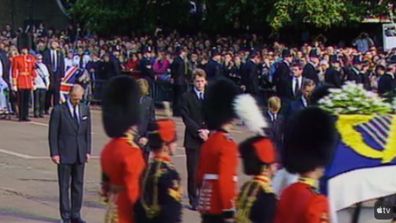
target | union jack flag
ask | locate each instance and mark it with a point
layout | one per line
(70, 78)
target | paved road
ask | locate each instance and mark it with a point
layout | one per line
(28, 180)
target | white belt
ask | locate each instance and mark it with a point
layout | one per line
(209, 176)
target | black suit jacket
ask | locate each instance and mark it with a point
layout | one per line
(276, 128)
(57, 75)
(310, 72)
(294, 107)
(386, 83)
(178, 71)
(282, 80)
(249, 73)
(69, 140)
(333, 77)
(213, 70)
(193, 118)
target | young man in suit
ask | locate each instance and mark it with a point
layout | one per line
(54, 59)
(196, 132)
(303, 101)
(276, 121)
(70, 148)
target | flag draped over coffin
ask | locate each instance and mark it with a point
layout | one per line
(71, 77)
(364, 162)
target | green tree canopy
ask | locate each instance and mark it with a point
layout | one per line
(106, 16)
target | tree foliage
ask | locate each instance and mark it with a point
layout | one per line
(221, 15)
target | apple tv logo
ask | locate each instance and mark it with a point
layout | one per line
(383, 210)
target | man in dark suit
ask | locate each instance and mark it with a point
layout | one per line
(249, 73)
(213, 68)
(386, 81)
(282, 76)
(178, 74)
(196, 132)
(333, 75)
(54, 59)
(358, 72)
(70, 149)
(310, 69)
(304, 100)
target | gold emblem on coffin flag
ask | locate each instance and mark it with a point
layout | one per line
(346, 125)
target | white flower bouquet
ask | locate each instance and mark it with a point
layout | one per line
(352, 98)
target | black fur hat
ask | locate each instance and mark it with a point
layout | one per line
(218, 103)
(120, 105)
(310, 139)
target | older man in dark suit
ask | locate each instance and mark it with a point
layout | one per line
(54, 59)
(70, 149)
(196, 132)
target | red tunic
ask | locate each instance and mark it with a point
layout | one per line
(217, 174)
(123, 164)
(300, 203)
(23, 71)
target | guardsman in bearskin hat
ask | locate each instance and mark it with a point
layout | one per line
(23, 78)
(217, 169)
(309, 144)
(121, 160)
(256, 201)
(161, 195)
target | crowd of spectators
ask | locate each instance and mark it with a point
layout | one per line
(247, 60)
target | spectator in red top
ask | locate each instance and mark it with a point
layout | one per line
(132, 65)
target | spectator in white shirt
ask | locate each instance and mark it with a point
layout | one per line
(42, 82)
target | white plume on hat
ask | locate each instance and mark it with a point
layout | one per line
(248, 111)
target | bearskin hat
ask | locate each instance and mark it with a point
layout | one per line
(257, 152)
(120, 105)
(218, 103)
(309, 141)
(24, 41)
(161, 131)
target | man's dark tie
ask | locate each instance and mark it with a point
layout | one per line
(201, 97)
(75, 115)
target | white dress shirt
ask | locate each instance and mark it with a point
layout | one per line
(299, 80)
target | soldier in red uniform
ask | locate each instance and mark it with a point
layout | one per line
(217, 180)
(23, 76)
(121, 160)
(309, 143)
